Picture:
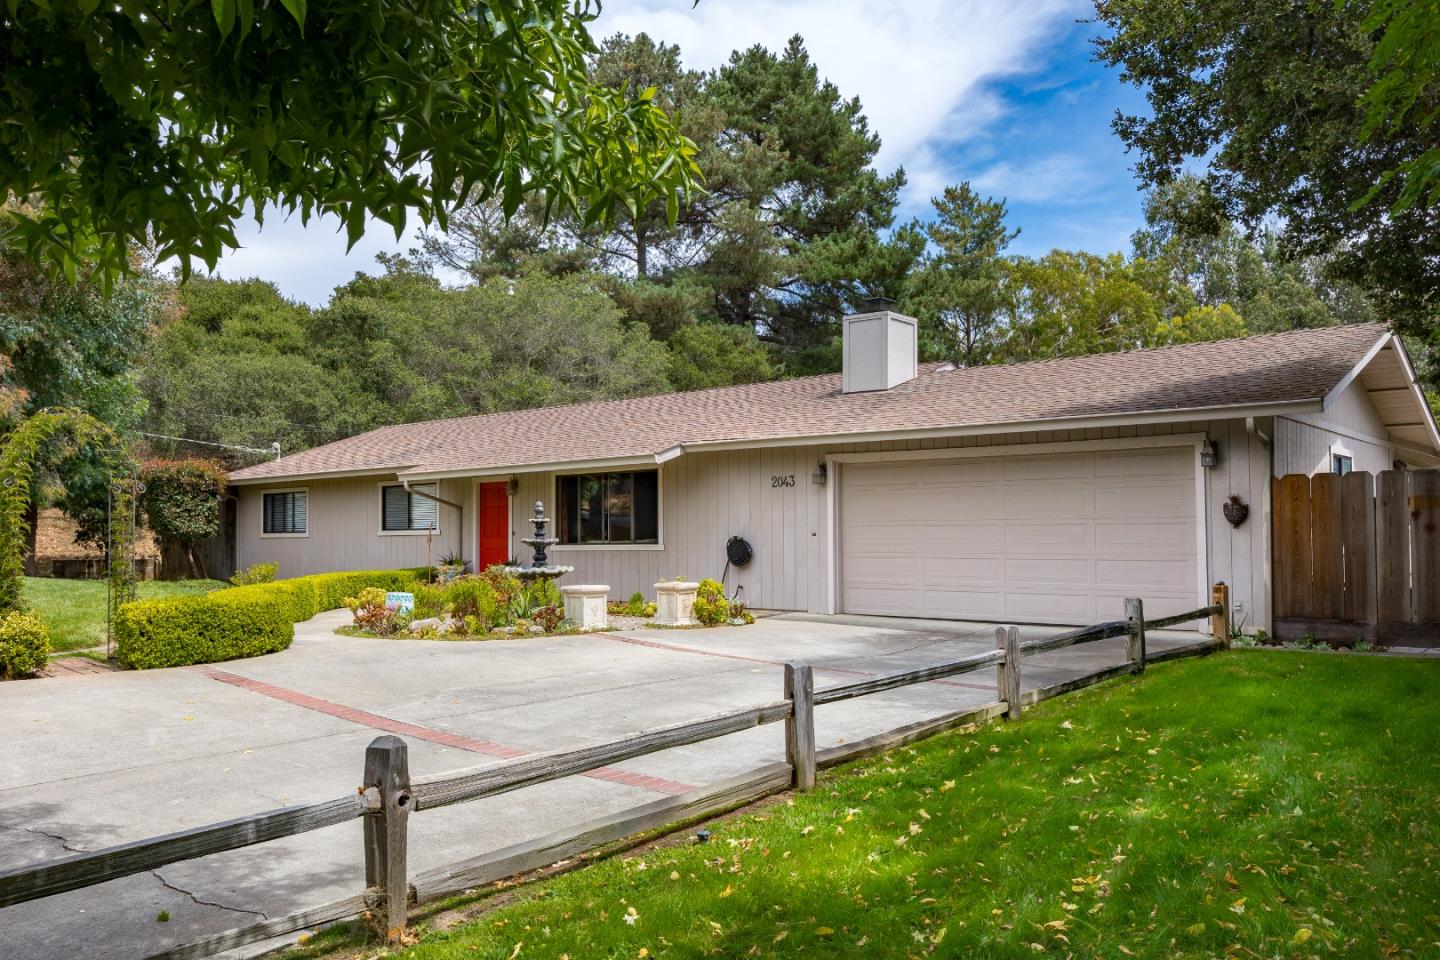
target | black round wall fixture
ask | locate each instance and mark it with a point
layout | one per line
(738, 551)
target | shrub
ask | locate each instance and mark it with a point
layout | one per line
(224, 625)
(237, 621)
(429, 600)
(637, 607)
(711, 607)
(182, 501)
(543, 592)
(474, 597)
(24, 645)
(255, 573)
(507, 588)
(370, 610)
(549, 616)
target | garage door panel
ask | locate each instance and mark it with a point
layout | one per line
(1047, 570)
(960, 472)
(1027, 500)
(1022, 536)
(1063, 539)
(879, 475)
(972, 570)
(898, 601)
(1065, 466)
(1049, 607)
(1174, 462)
(885, 567)
(963, 604)
(1145, 501)
(960, 503)
(961, 539)
(866, 538)
(1150, 536)
(1145, 573)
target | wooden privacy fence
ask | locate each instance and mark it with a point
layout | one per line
(1358, 556)
(389, 796)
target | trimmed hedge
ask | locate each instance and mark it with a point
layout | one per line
(237, 621)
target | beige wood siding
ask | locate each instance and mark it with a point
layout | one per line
(1304, 442)
(344, 529)
(708, 497)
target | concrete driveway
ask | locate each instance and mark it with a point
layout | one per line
(91, 761)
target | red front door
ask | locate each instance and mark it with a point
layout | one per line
(494, 538)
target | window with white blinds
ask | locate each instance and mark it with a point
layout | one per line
(286, 511)
(404, 510)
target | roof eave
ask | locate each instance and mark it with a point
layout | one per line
(1180, 415)
(315, 475)
(553, 466)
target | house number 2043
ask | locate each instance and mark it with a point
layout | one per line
(782, 480)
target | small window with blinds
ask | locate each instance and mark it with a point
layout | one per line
(285, 513)
(409, 511)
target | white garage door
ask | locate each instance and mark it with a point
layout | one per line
(1045, 538)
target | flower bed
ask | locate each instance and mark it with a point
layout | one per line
(481, 606)
(238, 621)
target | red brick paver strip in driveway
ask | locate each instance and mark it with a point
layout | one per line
(76, 667)
(458, 741)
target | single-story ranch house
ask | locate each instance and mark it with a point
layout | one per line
(1036, 492)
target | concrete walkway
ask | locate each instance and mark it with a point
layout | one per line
(103, 759)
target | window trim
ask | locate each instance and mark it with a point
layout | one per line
(285, 536)
(659, 543)
(1339, 449)
(380, 510)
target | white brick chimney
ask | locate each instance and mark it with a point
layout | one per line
(881, 348)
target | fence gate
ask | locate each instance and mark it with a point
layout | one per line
(1358, 556)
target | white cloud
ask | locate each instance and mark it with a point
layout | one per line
(921, 68)
(1057, 178)
(918, 66)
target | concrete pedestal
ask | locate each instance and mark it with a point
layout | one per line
(586, 605)
(675, 603)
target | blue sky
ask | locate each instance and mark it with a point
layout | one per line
(998, 92)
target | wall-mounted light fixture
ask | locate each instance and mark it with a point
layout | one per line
(1208, 456)
(819, 476)
(513, 486)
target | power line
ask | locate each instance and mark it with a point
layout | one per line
(273, 449)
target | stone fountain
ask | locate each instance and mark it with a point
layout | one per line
(539, 567)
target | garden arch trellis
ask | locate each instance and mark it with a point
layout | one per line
(20, 453)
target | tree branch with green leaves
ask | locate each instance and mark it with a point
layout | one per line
(138, 122)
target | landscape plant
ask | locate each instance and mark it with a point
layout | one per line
(711, 606)
(24, 645)
(255, 573)
(183, 500)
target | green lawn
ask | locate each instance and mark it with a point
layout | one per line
(1254, 804)
(74, 610)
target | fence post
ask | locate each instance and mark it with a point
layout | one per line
(1007, 673)
(1135, 644)
(800, 725)
(1220, 622)
(387, 768)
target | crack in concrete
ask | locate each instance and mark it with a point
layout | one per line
(204, 903)
(64, 844)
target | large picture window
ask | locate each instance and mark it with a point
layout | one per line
(285, 512)
(405, 511)
(609, 508)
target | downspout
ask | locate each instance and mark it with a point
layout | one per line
(1253, 429)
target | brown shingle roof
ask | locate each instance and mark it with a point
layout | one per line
(1274, 368)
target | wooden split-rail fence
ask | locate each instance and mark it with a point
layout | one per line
(389, 796)
(1357, 557)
